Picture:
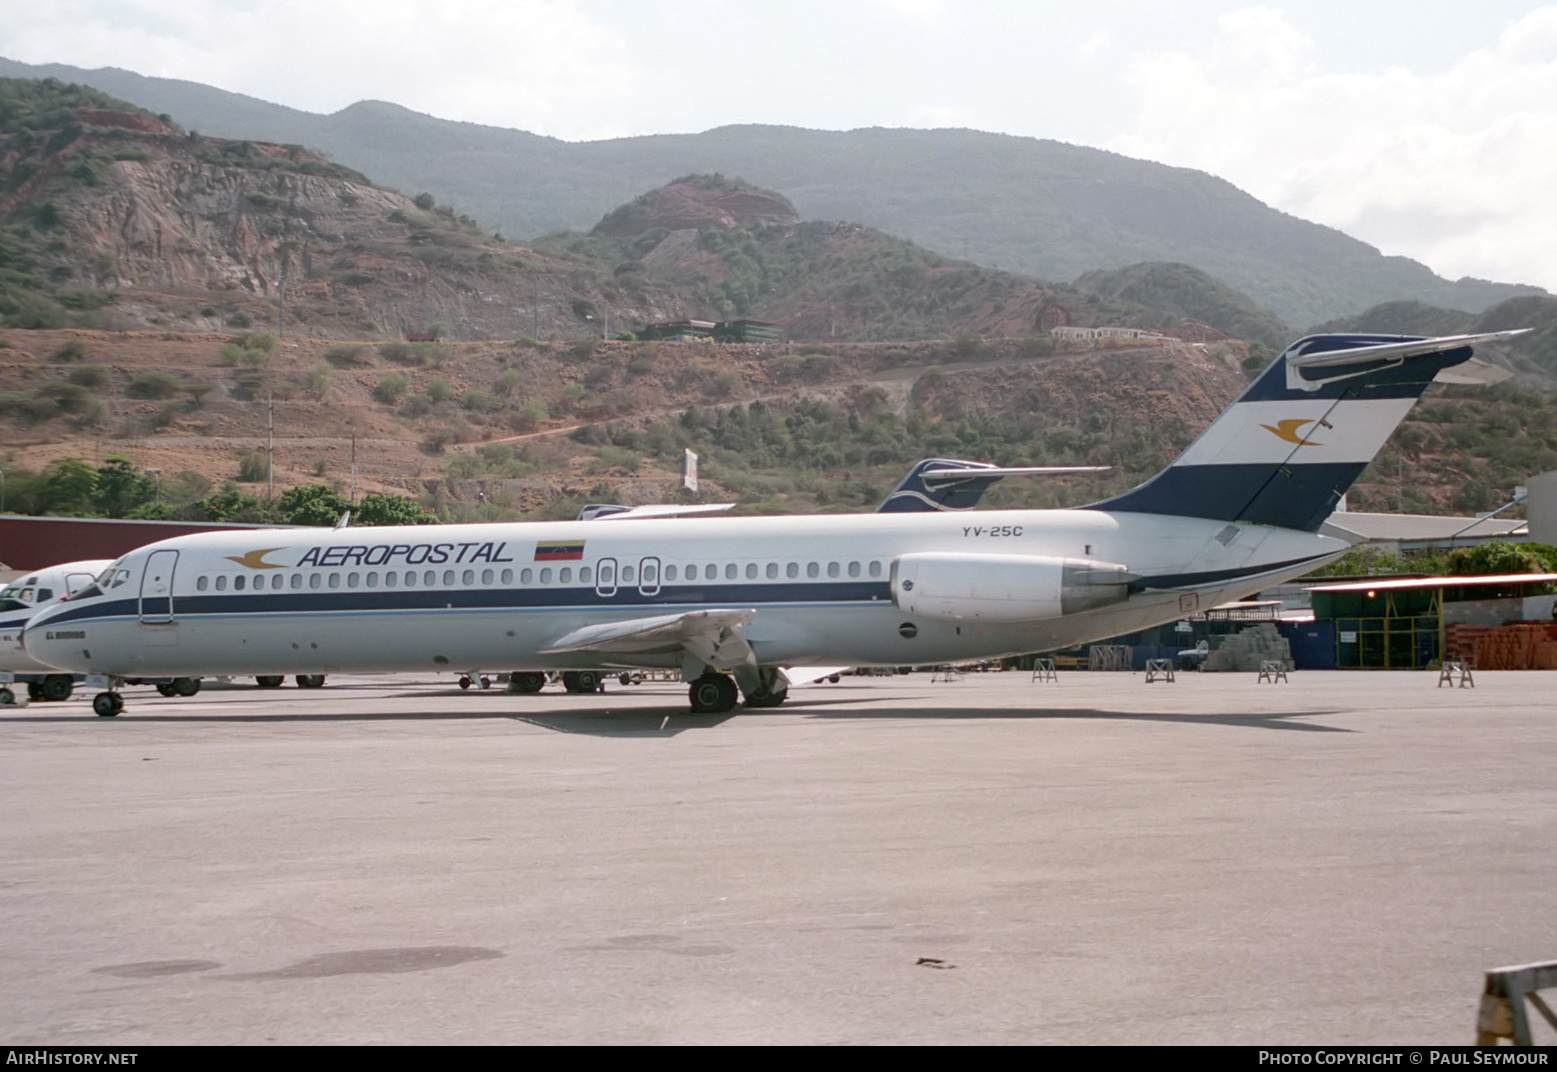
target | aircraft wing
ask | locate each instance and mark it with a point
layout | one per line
(810, 675)
(708, 634)
(612, 512)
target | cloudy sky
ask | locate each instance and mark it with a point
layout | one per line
(1428, 128)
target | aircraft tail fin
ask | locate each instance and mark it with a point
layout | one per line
(1286, 451)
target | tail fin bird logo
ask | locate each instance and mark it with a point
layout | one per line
(1288, 430)
(256, 559)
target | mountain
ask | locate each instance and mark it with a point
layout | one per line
(112, 217)
(1038, 207)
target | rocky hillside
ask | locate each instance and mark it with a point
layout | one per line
(111, 217)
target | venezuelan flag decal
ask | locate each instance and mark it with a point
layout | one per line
(559, 550)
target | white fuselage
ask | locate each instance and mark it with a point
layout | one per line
(28, 595)
(499, 595)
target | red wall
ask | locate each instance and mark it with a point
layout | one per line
(29, 543)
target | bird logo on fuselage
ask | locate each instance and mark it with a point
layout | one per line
(1288, 430)
(256, 559)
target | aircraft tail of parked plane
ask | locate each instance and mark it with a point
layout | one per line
(1288, 449)
(730, 601)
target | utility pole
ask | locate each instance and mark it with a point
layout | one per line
(270, 444)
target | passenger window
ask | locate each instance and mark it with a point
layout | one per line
(792, 570)
(772, 571)
(691, 573)
(854, 569)
(607, 576)
(468, 577)
(546, 575)
(448, 578)
(650, 574)
(730, 572)
(410, 578)
(276, 582)
(508, 575)
(487, 576)
(335, 580)
(627, 575)
(430, 578)
(372, 578)
(352, 579)
(221, 582)
(813, 570)
(583, 574)
(565, 575)
(525, 576)
(875, 569)
(832, 569)
(391, 578)
(751, 571)
(238, 582)
(297, 580)
(711, 571)
(670, 573)
(201, 583)
(314, 580)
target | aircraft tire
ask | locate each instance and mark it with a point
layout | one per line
(768, 699)
(270, 681)
(107, 704)
(712, 694)
(57, 687)
(526, 681)
(464, 681)
(186, 686)
(7, 697)
(167, 689)
(581, 681)
(310, 681)
(34, 690)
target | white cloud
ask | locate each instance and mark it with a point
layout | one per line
(541, 65)
(1094, 46)
(1454, 168)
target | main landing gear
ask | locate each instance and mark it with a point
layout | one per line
(107, 704)
(179, 686)
(713, 694)
(581, 681)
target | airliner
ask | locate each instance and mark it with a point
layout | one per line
(730, 601)
(19, 601)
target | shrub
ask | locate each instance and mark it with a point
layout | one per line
(436, 440)
(154, 385)
(439, 390)
(73, 350)
(319, 381)
(391, 387)
(482, 402)
(347, 354)
(251, 467)
(88, 376)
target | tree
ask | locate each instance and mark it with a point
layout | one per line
(121, 487)
(380, 509)
(70, 487)
(313, 504)
(1496, 557)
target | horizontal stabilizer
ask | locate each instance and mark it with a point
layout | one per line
(1321, 362)
(941, 475)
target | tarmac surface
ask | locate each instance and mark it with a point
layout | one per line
(1333, 860)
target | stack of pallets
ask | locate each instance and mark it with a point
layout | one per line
(1459, 641)
(1519, 646)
